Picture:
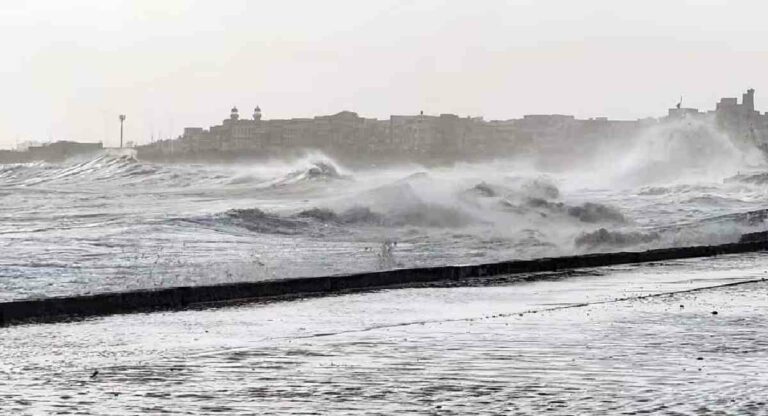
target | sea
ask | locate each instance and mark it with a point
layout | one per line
(112, 223)
(673, 337)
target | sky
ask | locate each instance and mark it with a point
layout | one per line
(69, 68)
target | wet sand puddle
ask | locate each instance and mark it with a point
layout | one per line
(622, 341)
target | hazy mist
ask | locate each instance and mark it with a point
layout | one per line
(71, 67)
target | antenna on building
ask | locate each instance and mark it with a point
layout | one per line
(680, 103)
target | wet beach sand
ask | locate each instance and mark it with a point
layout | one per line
(679, 337)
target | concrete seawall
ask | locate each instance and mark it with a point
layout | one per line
(177, 298)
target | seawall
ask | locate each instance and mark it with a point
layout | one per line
(179, 298)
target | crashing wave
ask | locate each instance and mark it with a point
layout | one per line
(603, 238)
(419, 215)
(675, 189)
(355, 215)
(311, 220)
(749, 178)
(748, 219)
(483, 189)
(322, 169)
(589, 212)
(541, 188)
(402, 203)
(102, 168)
(593, 212)
(315, 171)
(256, 220)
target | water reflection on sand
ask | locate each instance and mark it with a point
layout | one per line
(626, 339)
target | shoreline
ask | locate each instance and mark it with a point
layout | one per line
(56, 309)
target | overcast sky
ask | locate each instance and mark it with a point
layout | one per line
(70, 67)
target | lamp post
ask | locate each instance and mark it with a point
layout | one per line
(122, 119)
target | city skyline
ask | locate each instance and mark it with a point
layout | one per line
(179, 131)
(434, 139)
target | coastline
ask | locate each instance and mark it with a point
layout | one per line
(179, 298)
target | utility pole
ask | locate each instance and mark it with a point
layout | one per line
(122, 119)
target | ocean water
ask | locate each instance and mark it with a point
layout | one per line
(676, 337)
(106, 223)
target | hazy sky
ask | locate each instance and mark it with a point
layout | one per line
(70, 67)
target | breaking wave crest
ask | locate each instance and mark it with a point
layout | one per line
(521, 211)
(308, 170)
(101, 168)
(687, 151)
(719, 229)
(324, 220)
(465, 213)
(604, 239)
(128, 171)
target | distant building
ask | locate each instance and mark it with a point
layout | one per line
(423, 137)
(730, 112)
(50, 152)
(61, 150)
(680, 113)
(25, 145)
(741, 121)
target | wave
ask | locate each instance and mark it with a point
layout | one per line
(760, 178)
(752, 218)
(510, 210)
(589, 212)
(314, 196)
(311, 220)
(603, 238)
(355, 215)
(254, 219)
(676, 189)
(102, 168)
(126, 170)
(684, 151)
(718, 229)
(712, 200)
(316, 169)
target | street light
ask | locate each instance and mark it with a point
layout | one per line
(122, 119)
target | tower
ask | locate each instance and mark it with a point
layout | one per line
(257, 113)
(122, 119)
(748, 100)
(234, 115)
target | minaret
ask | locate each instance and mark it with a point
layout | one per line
(257, 113)
(234, 115)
